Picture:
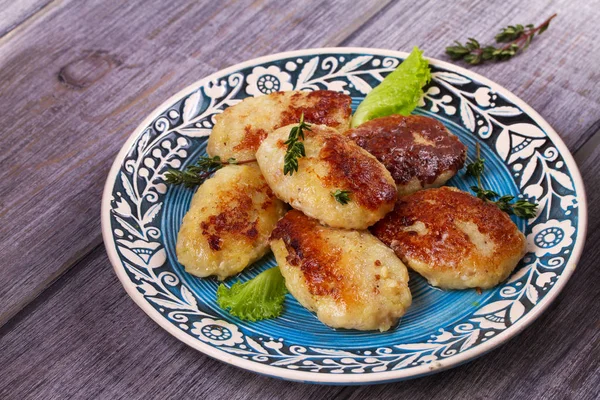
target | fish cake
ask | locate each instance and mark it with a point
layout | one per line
(349, 278)
(229, 222)
(453, 239)
(419, 151)
(240, 129)
(332, 162)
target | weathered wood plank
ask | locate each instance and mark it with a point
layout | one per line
(79, 82)
(558, 75)
(14, 13)
(85, 338)
(588, 147)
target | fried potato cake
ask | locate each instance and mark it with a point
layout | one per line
(332, 162)
(349, 278)
(240, 129)
(418, 151)
(452, 238)
(229, 222)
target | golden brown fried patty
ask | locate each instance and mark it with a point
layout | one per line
(349, 278)
(418, 151)
(452, 238)
(332, 162)
(240, 129)
(229, 222)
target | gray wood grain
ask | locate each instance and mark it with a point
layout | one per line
(15, 13)
(84, 338)
(75, 94)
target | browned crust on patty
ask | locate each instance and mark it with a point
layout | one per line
(392, 141)
(252, 138)
(323, 107)
(310, 252)
(445, 245)
(235, 219)
(355, 170)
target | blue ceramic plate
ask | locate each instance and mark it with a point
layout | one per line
(524, 157)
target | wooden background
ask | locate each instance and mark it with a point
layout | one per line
(76, 78)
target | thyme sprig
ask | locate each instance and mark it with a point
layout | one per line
(295, 148)
(196, 174)
(341, 196)
(520, 208)
(517, 38)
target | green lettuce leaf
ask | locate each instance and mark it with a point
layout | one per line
(398, 93)
(259, 298)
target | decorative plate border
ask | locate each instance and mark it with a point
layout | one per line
(519, 134)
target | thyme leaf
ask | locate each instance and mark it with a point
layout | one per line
(517, 38)
(341, 196)
(196, 174)
(520, 208)
(295, 148)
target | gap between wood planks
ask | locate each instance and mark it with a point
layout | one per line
(28, 20)
(373, 16)
(81, 255)
(590, 143)
(21, 307)
(52, 288)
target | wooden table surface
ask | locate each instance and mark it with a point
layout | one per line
(78, 76)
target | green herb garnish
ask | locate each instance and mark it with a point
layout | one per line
(295, 148)
(516, 37)
(341, 196)
(477, 167)
(259, 298)
(520, 208)
(196, 174)
(398, 93)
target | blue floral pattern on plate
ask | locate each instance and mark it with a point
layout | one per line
(141, 218)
